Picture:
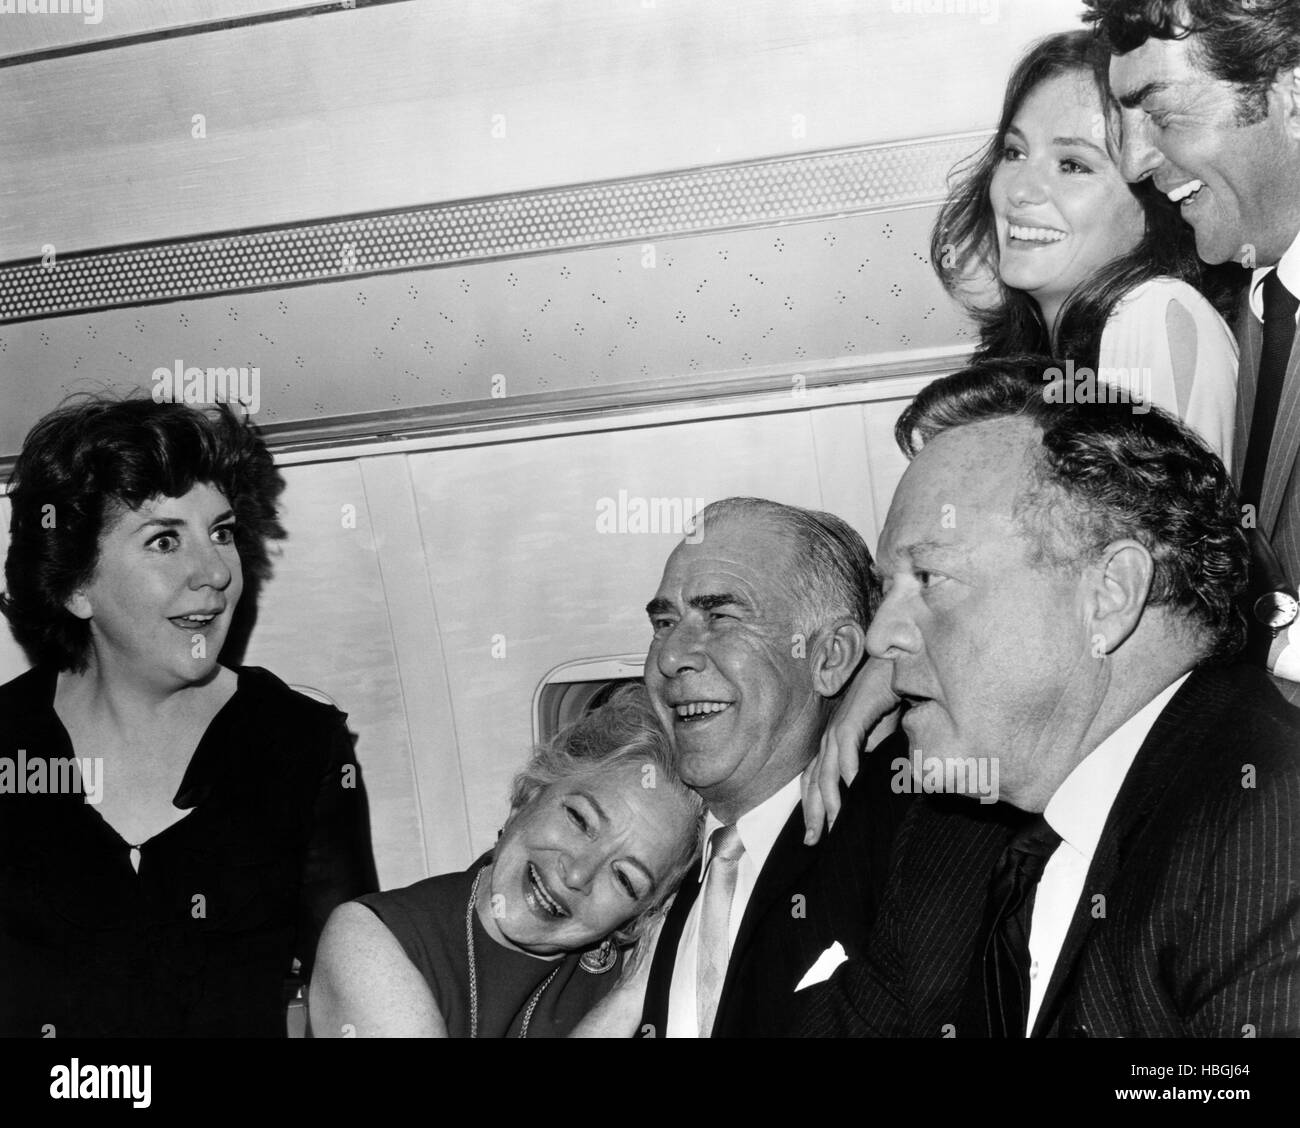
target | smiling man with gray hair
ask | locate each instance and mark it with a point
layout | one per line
(759, 622)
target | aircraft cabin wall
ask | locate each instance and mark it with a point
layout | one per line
(429, 594)
(693, 264)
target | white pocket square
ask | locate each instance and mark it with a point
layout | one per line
(826, 963)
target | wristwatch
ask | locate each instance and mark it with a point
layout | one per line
(1277, 610)
(1277, 606)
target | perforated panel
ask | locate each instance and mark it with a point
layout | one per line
(799, 296)
(744, 195)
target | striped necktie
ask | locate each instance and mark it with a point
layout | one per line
(715, 922)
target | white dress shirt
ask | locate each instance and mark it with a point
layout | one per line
(759, 830)
(1078, 812)
(1287, 663)
(1288, 270)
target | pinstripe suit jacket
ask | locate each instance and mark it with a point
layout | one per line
(1189, 922)
(838, 884)
(1279, 515)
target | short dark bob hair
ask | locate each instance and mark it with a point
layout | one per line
(87, 461)
(1106, 473)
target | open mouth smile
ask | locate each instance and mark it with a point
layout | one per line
(1184, 194)
(539, 897)
(195, 620)
(1021, 233)
(695, 711)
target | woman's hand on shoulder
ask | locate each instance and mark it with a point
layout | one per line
(858, 718)
(365, 986)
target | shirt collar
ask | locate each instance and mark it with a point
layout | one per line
(1288, 270)
(759, 828)
(1080, 806)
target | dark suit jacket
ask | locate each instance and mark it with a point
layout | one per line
(1279, 515)
(1189, 921)
(806, 898)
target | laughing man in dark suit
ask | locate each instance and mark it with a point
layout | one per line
(1210, 96)
(759, 622)
(1060, 584)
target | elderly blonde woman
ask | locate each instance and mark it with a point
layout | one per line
(527, 940)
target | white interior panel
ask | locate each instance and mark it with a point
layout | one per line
(887, 462)
(515, 554)
(359, 109)
(324, 621)
(86, 22)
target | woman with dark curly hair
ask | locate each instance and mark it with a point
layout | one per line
(1085, 266)
(173, 831)
(528, 940)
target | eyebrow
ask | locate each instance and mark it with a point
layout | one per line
(700, 602)
(1064, 141)
(604, 818)
(180, 522)
(1081, 142)
(1134, 98)
(920, 548)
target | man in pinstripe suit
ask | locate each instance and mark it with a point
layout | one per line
(1210, 97)
(1060, 586)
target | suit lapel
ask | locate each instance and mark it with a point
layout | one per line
(1286, 444)
(1152, 771)
(787, 862)
(655, 1011)
(1250, 339)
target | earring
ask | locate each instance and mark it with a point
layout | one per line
(599, 960)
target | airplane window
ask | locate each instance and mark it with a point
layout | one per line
(565, 702)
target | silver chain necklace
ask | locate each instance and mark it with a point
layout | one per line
(473, 969)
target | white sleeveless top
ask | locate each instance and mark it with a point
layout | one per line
(1135, 349)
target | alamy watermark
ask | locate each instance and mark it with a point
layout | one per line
(986, 10)
(631, 514)
(954, 775)
(67, 775)
(91, 11)
(1106, 385)
(75, 1081)
(194, 385)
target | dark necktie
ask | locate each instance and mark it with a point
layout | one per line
(1011, 904)
(1279, 331)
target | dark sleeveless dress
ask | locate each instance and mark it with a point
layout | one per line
(275, 839)
(428, 919)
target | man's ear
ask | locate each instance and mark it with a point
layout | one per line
(79, 605)
(1118, 587)
(836, 657)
